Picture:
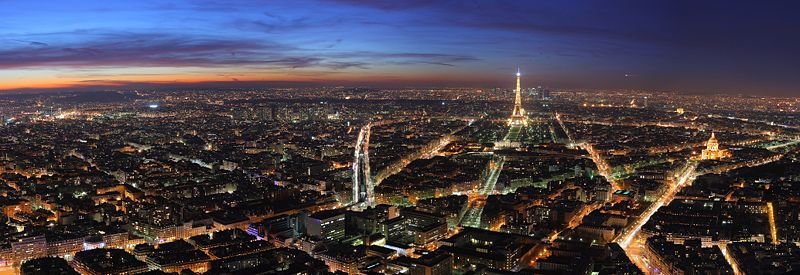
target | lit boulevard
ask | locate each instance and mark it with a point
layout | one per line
(629, 239)
(684, 177)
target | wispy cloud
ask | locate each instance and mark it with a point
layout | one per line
(389, 5)
(577, 42)
(112, 50)
(346, 65)
(406, 58)
(153, 50)
(32, 43)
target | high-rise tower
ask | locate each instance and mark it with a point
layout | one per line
(518, 114)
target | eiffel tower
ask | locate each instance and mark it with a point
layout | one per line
(518, 114)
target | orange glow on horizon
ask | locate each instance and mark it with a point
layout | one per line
(356, 78)
(55, 82)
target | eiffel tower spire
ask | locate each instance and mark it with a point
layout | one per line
(518, 114)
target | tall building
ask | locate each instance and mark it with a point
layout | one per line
(29, 247)
(518, 114)
(328, 226)
(712, 150)
(435, 263)
(478, 247)
(48, 265)
(540, 93)
(107, 261)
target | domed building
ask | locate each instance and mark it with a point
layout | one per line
(712, 151)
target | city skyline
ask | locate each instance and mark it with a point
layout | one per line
(419, 137)
(398, 181)
(710, 47)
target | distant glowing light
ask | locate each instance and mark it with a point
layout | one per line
(153, 106)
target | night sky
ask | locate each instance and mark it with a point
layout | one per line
(688, 46)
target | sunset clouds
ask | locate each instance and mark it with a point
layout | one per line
(667, 45)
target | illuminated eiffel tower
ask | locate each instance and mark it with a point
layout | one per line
(518, 114)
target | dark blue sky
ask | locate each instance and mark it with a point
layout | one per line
(693, 46)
